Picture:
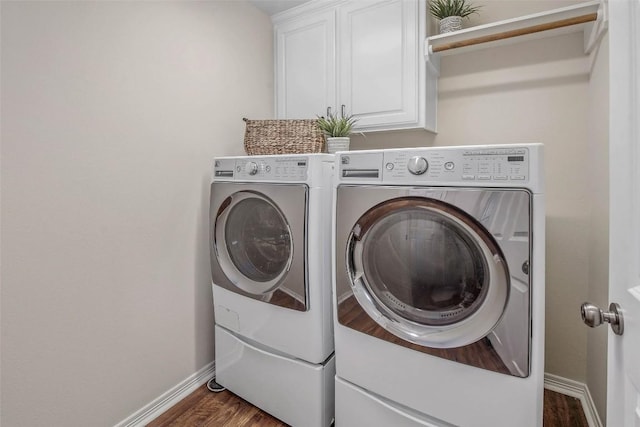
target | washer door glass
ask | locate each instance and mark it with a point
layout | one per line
(427, 272)
(258, 240)
(253, 243)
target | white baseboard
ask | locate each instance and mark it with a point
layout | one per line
(158, 406)
(578, 390)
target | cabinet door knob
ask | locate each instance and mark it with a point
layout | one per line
(328, 111)
(342, 110)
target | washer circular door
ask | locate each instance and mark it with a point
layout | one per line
(253, 242)
(427, 272)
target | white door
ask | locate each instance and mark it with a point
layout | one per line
(623, 402)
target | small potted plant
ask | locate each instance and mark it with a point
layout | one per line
(451, 12)
(337, 130)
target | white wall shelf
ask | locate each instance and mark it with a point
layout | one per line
(589, 17)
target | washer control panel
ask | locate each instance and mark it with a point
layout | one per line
(262, 169)
(461, 164)
(496, 165)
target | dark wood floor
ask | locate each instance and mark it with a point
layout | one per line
(203, 408)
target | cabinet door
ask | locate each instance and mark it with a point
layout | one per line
(305, 65)
(378, 62)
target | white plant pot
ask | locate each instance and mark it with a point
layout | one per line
(450, 23)
(338, 143)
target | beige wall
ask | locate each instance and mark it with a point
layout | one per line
(496, 10)
(111, 114)
(530, 92)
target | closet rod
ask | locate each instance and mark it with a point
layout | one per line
(518, 32)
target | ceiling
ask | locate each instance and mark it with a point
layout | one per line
(271, 7)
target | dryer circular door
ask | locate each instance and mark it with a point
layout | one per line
(427, 272)
(253, 242)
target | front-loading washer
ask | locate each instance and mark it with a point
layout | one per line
(270, 222)
(439, 286)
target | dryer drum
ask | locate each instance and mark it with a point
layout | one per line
(258, 239)
(427, 272)
(424, 267)
(253, 242)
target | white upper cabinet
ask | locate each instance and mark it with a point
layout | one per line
(378, 57)
(363, 57)
(305, 65)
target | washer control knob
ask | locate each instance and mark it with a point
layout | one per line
(417, 165)
(251, 168)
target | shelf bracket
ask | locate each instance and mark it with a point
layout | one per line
(432, 61)
(594, 31)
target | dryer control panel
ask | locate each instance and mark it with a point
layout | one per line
(508, 165)
(262, 169)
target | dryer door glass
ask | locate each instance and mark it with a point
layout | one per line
(253, 242)
(427, 272)
(258, 239)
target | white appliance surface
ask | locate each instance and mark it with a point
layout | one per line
(277, 357)
(296, 392)
(405, 387)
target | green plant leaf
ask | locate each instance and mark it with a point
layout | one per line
(444, 8)
(335, 126)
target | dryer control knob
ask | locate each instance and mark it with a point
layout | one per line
(417, 165)
(251, 168)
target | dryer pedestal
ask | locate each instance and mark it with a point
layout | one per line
(296, 392)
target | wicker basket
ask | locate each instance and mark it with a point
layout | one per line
(283, 137)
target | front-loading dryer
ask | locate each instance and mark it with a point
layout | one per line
(439, 286)
(270, 222)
